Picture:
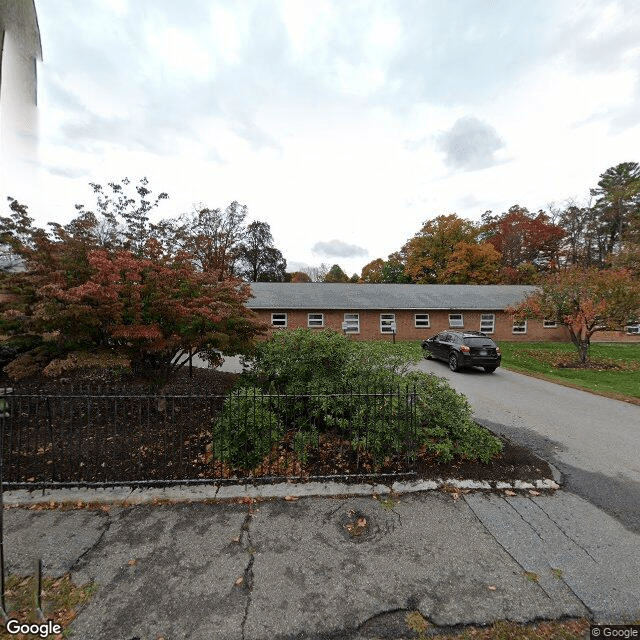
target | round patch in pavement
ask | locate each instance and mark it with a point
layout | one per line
(357, 525)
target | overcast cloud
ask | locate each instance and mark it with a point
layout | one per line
(328, 119)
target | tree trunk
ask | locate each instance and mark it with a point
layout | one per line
(583, 350)
(582, 344)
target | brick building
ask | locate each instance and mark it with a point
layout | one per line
(370, 311)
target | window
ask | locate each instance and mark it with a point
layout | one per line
(315, 320)
(387, 323)
(278, 319)
(456, 320)
(422, 320)
(519, 326)
(633, 329)
(549, 324)
(351, 323)
(487, 322)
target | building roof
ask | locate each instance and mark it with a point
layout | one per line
(312, 295)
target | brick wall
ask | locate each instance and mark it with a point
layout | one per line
(615, 336)
(406, 329)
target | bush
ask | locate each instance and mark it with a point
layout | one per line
(301, 358)
(247, 429)
(10, 349)
(309, 362)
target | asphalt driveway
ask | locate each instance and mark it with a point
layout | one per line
(592, 440)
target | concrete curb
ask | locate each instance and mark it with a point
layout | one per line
(194, 493)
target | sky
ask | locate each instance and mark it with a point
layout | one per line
(343, 124)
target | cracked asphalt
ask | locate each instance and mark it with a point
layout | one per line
(280, 569)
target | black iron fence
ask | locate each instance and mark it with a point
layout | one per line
(81, 439)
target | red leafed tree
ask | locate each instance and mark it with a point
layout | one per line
(585, 301)
(523, 237)
(152, 311)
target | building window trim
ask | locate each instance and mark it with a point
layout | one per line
(354, 320)
(387, 322)
(549, 324)
(280, 320)
(422, 321)
(519, 327)
(454, 323)
(486, 320)
(315, 320)
(632, 329)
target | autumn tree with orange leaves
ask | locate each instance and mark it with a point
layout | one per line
(585, 301)
(472, 264)
(428, 252)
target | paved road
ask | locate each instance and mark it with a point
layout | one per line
(594, 441)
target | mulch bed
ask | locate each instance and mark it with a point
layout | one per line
(152, 439)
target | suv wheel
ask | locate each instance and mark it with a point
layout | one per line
(453, 362)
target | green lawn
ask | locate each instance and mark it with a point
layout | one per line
(538, 359)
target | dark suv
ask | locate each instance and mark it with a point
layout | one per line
(463, 349)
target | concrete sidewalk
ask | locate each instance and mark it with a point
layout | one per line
(332, 567)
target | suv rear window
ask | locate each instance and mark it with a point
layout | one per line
(479, 342)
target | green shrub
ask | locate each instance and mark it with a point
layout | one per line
(384, 427)
(300, 358)
(446, 424)
(305, 440)
(330, 372)
(247, 429)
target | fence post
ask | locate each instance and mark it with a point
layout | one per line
(4, 414)
(53, 449)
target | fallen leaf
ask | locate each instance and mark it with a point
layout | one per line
(239, 581)
(455, 496)
(492, 587)
(362, 522)
(132, 563)
(534, 493)
(508, 492)
(236, 539)
(291, 498)
(246, 500)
